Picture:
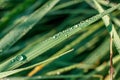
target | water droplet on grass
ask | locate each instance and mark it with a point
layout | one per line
(66, 35)
(76, 26)
(20, 57)
(58, 73)
(71, 28)
(54, 37)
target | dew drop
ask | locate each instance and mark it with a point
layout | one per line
(58, 73)
(66, 35)
(71, 28)
(64, 31)
(76, 26)
(20, 57)
(54, 37)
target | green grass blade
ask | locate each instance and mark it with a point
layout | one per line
(110, 27)
(20, 30)
(66, 4)
(51, 42)
(47, 77)
(5, 19)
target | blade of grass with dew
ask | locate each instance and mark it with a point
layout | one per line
(8, 73)
(20, 30)
(51, 42)
(110, 27)
(44, 36)
(58, 29)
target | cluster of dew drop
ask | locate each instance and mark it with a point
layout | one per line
(19, 58)
(66, 32)
(79, 26)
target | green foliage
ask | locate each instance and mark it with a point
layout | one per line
(66, 37)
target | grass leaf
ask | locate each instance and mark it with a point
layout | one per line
(42, 47)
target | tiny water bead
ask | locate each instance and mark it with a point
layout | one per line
(20, 57)
(58, 73)
(71, 28)
(54, 37)
(76, 26)
(66, 35)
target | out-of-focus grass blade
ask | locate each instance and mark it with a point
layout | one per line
(19, 19)
(110, 27)
(15, 11)
(66, 4)
(20, 30)
(68, 68)
(8, 73)
(107, 3)
(103, 68)
(42, 47)
(72, 11)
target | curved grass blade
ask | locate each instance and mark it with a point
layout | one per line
(20, 30)
(42, 47)
(8, 73)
